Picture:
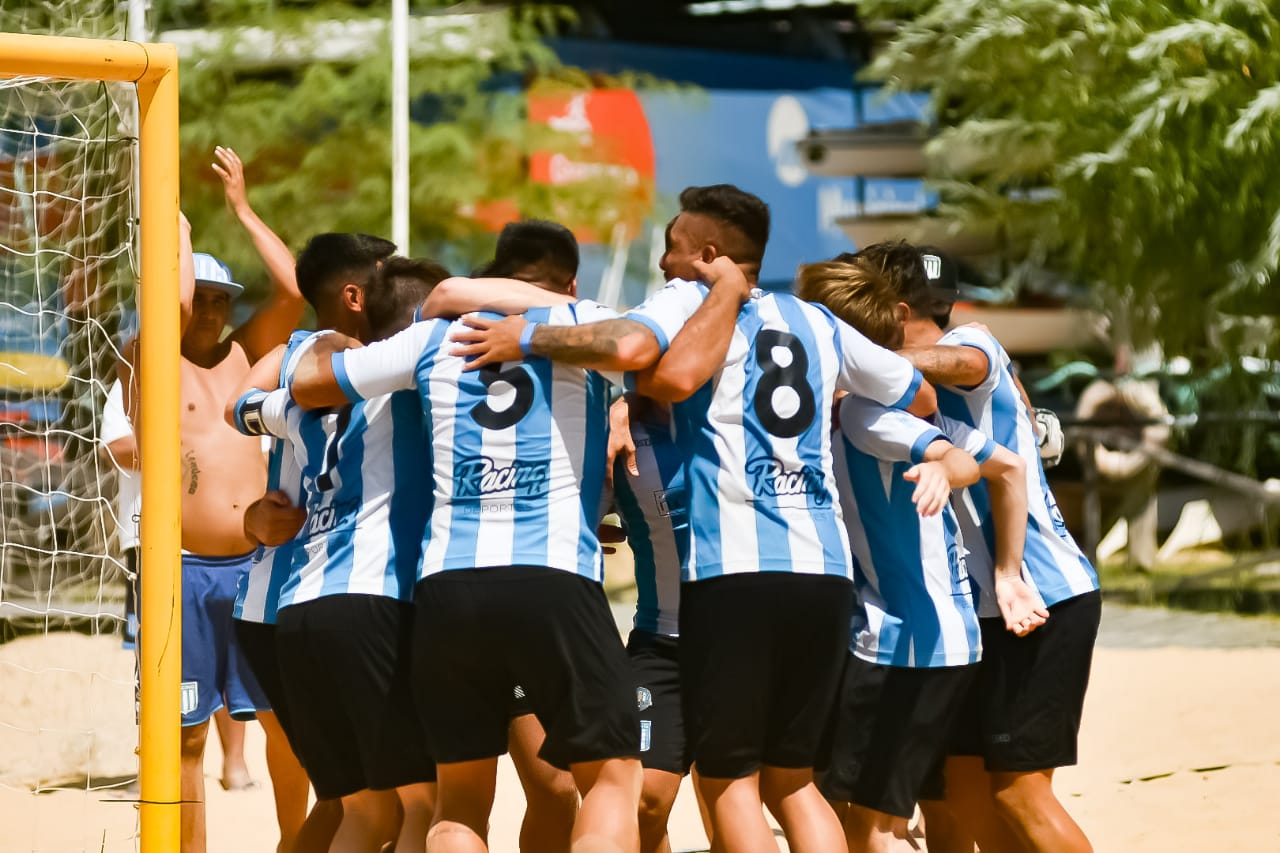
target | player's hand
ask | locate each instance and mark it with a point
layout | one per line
(1049, 436)
(273, 519)
(981, 327)
(486, 341)
(933, 488)
(621, 444)
(231, 170)
(184, 224)
(722, 272)
(1021, 606)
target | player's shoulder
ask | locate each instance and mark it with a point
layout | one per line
(786, 310)
(971, 336)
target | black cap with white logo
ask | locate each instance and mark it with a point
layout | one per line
(944, 279)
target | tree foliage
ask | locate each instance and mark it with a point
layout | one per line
(315, 137)
(1134, 145)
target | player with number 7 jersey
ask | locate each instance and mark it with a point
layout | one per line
(510, 581)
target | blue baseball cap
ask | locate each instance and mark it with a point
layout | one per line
(213, 273)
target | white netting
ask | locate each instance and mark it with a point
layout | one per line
(68, 276)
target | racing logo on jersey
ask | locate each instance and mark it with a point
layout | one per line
(644, 699)
(772, 479)
(326, 519)
(190, 697)
(959, 569)
(480, 477)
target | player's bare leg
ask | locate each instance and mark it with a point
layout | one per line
(737, 815)
(369, 818)
(608, 821)
(703, 811)
(418, 802)
(192, 810)
(551, 795)
(870, 831)
(464, 800)
(289, 783)
(1027, 803)
(319, 828)
(235, 773)
(942, 832)
(970, 803)
(656, 799)
(807, 820)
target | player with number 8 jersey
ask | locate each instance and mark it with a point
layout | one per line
(758, 437)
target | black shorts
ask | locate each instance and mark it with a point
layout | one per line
(1023, 713)
(761, 657)
(891, 732)
(519, 703)
(479, 631)
(655, 663)
(258, 645)
(344, 662)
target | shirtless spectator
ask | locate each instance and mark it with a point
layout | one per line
(222, 473)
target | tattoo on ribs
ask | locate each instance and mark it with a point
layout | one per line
(194, 471)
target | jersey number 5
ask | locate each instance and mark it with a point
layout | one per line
(794, 375)
(520, 380)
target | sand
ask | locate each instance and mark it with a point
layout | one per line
(1179, 750)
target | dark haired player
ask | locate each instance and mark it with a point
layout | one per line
(345, 617)
(767, 598)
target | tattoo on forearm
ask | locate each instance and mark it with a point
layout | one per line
(582, 345)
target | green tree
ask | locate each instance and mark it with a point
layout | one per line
(315, 136)
(1132, 144)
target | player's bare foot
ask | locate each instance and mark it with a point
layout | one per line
(237, 779)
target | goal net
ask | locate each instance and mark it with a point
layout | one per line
(68, 277)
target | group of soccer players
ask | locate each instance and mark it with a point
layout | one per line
(855, 591)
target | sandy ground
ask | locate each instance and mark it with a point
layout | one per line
(1180, 748)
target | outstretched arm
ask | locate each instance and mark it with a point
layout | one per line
(1020, 605)
(699, 349)
(278, 316)
(456, 296)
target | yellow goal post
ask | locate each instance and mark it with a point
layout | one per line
(153, 69)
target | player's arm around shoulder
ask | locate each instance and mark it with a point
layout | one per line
(615, 344)
(315, 383)
(699, 349)
(459, 295)
(962, 366)
(263, 376)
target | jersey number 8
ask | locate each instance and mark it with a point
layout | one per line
(794, 375)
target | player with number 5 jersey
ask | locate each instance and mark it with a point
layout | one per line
(509, 589)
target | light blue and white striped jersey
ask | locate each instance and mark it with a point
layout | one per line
(1052, 561)
(519, 448)
(258, 592)
(915, 604)
(364, 474)
(654, 511)
(757, 437)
